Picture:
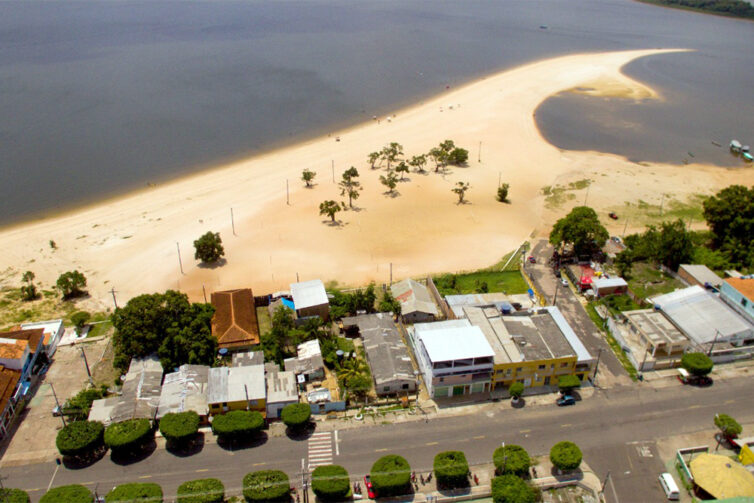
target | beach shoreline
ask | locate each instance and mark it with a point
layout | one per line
(131, 242)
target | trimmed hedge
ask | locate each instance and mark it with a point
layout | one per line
(697, 364)
(238, 424)
(128, 435)
(201, 491)
(296, 415)
(451, 470)
(511, 459)
(135, 493)
(8, 495)
(73, 493)
(516, 389)
(391, 476)
(266, 485)
(728, 426)
(512, 489)
(331, 483)
(80, 438)
(568, 382)
(179, 427)
(565, 456)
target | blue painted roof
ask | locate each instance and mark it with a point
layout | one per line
(289, 304)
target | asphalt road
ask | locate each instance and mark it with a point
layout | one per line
(608, 427)
(568, 303)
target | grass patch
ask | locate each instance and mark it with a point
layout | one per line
(264, 320)
(600, 324)
(509, 282)
(647, 281)
(100, 328)
(642, 212)
(45, 307)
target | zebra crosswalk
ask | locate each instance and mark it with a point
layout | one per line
(320, 449)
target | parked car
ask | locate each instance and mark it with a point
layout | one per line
(566, 400)
(532, 260)
(563, 281)
(613, 215)
(616, 239)
(368, 485)
(686, 378)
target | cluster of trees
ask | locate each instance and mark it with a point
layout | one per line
(201, 491)
(697, 364)
(281, 341)
(736, 8)
(582, 229)
(347, 304)
(331, 483)
(391, 476)
(671, 245)
(565, 456)
(71, 284)
(266, 485)
(451, 470)
(128, 436)
(209, 248)
(135, 493)
(80, 439)
(730, 217)
(77, 407)
(166, 324)
(729, 427)
(296, 416)
(73, 493)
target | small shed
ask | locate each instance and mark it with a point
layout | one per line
(697, 274)
(310, 299)
(417, 305)
(609, 286)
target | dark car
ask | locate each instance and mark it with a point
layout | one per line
(566, 400)
(613, 215)
(368, 485)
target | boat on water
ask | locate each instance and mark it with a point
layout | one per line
(735, 146)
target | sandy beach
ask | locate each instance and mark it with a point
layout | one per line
(131, 243)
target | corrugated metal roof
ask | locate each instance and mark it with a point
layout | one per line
(414, 297)
(185, 390)
(386, 352)
(454, 343)
(701, 273)
(608, 282)
(236, 384)
(309, 294)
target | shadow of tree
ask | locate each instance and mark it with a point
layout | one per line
(520, 404)
(301, 433)
(128, 458)
(247, 443)
(184, 450)
(81, 462)
(213, 265)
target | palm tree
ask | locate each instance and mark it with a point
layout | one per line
(460, 189)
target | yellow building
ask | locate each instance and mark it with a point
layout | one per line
(534, 348)
(236, 388)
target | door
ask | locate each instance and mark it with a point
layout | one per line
(457, 390)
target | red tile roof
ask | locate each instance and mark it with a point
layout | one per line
(31, 336)
(8, 380)
(745, 286)
(234, 323)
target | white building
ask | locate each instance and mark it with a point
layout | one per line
(310, 299)
(53, 332)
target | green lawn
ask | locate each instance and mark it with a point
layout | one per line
(100, 328)
(510, 282)
(263, 318)
(646, 280)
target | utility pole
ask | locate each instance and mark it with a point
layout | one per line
(204, 291)
(333, 170)
(712, 346)
(499, 178)
(287, 195)
(624, 229)
(232, 220)
(662, 201)
(587, 194)
(86, 363)
(597, 366)
(62, 417)
(391, 273)
(112, 291)
(555, 298)
(180, 262)
(479, 157)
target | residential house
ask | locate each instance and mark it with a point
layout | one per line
(738, 293)
(308, 364)
(416, 302)
(140, 394)
(234, 323)
(236, 388)
(325, 399)
(603, 286)
(454, 357)
(386, 353)
(28, 344)
(659, 339)
(9, 379)
(53, 332)
(493, 299)
(185, 390)
(247, 358)
(282, 389)
(696, 274)
(310, 299)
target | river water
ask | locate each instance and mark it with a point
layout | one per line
(101, 97)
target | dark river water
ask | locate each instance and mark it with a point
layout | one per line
(101, 97)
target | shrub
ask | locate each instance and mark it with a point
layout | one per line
(209, 247)
(80, 438)
(331, 483)
(451, 470)
(135, 493)
(568, 383)
(728, 426)
(14, 496)
(238, 424)
(201, 491)
(512, 489)
(78, 406)
(511, 459)
(266, 485)
(565, 456)
(516, 389)
(73, 493)
(296, 415)
(697, 364)
(179, 427)
(79, 319)
(128, 435)
(71, 283)
(391, 476)
(502, 193)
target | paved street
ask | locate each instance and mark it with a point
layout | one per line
(569, 304)
(608, 428)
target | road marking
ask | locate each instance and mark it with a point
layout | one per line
(566, 425)
(53, 477)
(478, 437)
(697, 406)
(337, 447)
(432, 443)
(524, 431)
(380, 450)
(320, 449)
(729, 401)
(145, 477)
(202, 470)
(259, 464)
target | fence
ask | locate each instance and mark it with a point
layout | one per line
(540, 298)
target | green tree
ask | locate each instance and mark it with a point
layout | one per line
(447, 146)
(8, 495)
(675, 246)
(238, 425)
(209, 248)
(389, 180)
(451, 470)
(438, 156)
(179, 428)
(77, 407)
(516, 389)
(418, 162)
(267, 485)
(460, 190)
(568, 383)
(389, 304)
(330, 483)
(697, 364)
(728, 426)
(391, 476)
(29, 289)
(565, 456)
(581, 228)
(349, 185)
(135, 493)
(79, 319)
(80, 438)
(73, 493)
(372, 158)
(402, 168)
(624, 262)
(502, 193)
(71, 284)
(392, 153)
(296, 415)
(512, 489)
(329, 208)
(730, 216)
(307, 176)
(201, 491)
(511, 459)
(128, 436)
(458, 156)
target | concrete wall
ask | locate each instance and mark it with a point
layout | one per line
(736, 300)
(323, 311)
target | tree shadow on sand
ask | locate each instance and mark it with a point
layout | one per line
(392, 194)
(213, 265)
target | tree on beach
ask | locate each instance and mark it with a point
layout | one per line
(372, 157)
(209, 248)
(438, 156)
(390, 181)
(402, 168)
(307, 176)
(502, 193)
(418, 162)
(460, 190)
(71, 283)
(458, 156)
(581, 228)
(329, 208)
(349, 186)
(29, 290)
(392, 152)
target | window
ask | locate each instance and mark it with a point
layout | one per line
(442, 379)
(563, 365)
(508, 372)
(743, 302)
(405, 386)
(225, 404)
(552, 366)
(387, 388)
(519, 369)
(541, 367)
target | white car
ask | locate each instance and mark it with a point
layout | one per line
(563, 281)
